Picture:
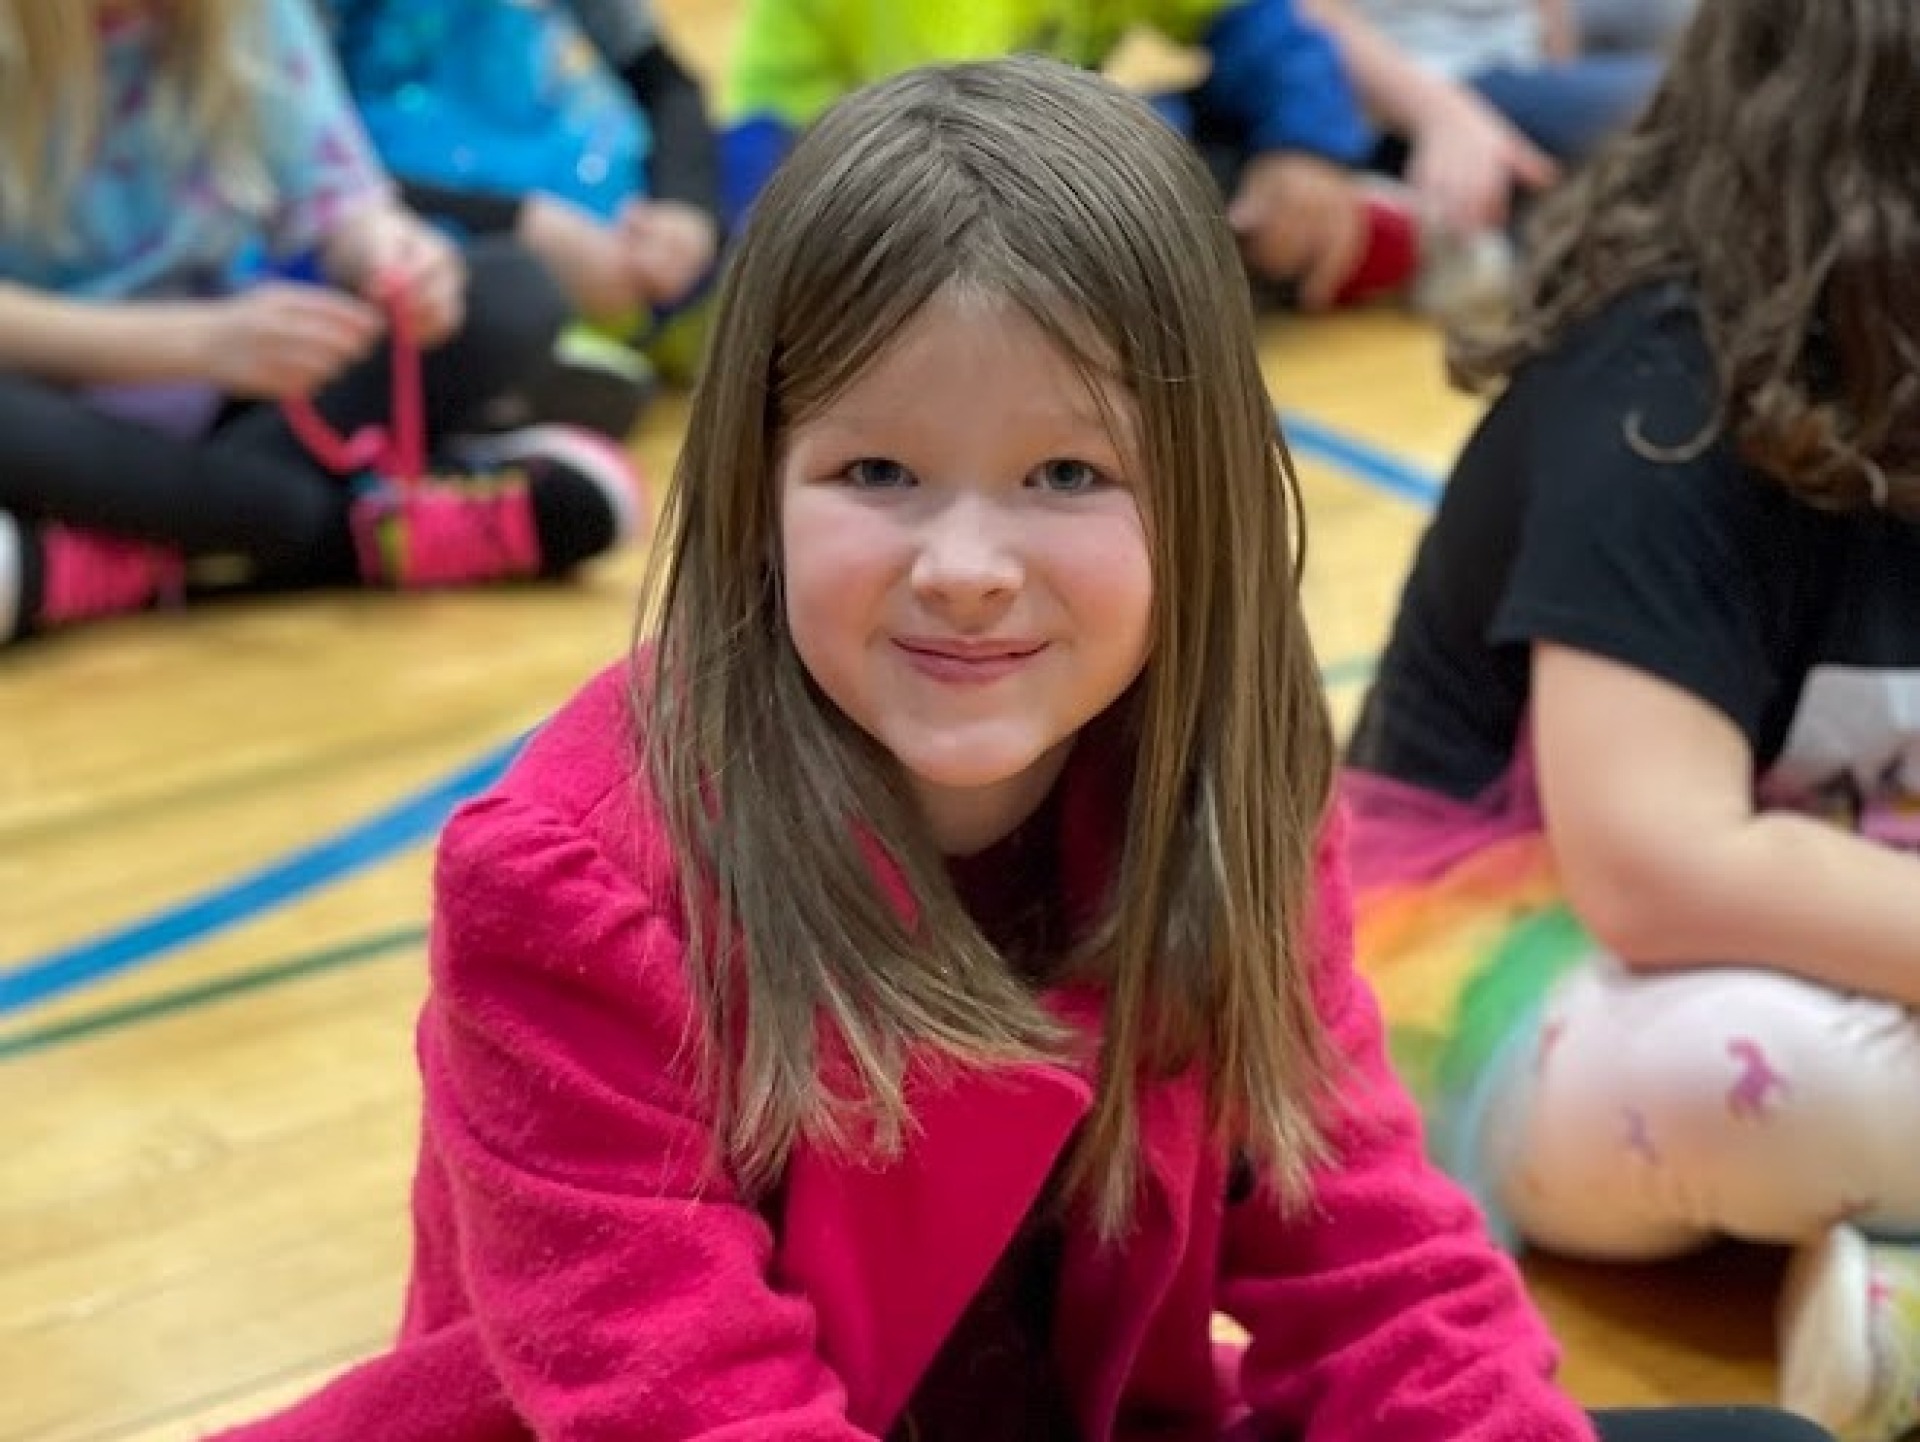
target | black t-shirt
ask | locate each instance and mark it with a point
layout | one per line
(1668, 555)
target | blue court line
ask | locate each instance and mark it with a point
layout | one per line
(419, 816)
(1365, 463)
(354, 849)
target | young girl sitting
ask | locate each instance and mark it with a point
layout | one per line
(1660, 656)
(155, 219)
(913, 999)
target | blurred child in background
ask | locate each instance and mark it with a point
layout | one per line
(1639, 777)
(1483, 102)
(173, 261)
(570, 125)
(1274, 117)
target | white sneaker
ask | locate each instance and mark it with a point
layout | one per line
(1850, 1336)
(12, 578)
(1464, 278)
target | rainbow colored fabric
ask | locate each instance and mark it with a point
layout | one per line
(1463, 941)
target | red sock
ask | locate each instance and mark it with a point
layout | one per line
(1391, 255)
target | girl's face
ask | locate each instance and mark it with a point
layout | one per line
(966, 564)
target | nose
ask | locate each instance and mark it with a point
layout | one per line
(968, 561)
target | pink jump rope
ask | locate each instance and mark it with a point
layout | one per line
(398, 451)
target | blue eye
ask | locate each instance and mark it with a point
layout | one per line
(1064, 477)
(876, 473)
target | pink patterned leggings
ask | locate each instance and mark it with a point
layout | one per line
(1659, 1110)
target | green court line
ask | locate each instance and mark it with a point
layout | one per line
(171, 1003)
(1353, 671)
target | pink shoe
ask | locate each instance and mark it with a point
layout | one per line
(526, 504)
(84, 575)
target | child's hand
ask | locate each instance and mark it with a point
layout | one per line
(386, 246)
(1559, 30)
(670, 245)
(278, 341)
(588, 258)
(1300, 218)
(1467, 161)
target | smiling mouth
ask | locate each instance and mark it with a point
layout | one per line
(973, 650)
(968, 663)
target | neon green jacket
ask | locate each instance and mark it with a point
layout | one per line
(1276, 82)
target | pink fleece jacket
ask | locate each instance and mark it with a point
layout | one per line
(576, 1280)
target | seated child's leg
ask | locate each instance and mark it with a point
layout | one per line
(521, 362)
(519, 505)
(1630, 25)
(1659, 1110)
(1568, 109)
(1850, 1335)
(52, 576)
(64, 463)
(515, 312)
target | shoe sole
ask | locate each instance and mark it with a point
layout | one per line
(594, 382)
(603, 463)
(1826, 1344)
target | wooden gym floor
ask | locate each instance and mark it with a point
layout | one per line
(214, 835)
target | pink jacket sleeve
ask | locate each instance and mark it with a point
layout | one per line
(621, 1291)
(1382, 1311)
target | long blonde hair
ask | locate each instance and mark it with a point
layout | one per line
(50, 99)
(1056, 192)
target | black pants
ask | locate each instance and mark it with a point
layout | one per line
(1706, 1424)
(473, 213)
(249, 489)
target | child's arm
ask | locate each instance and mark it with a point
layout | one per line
(1381, 1311)
(76, 342)
(1648, 793)
(332, 195)
(270, 342)
(673, 236)
(1277, 84)
(1661, 588)
(683, 163)
(1559, 30)
(1279, 79)
(619, 1282)
(1463, 156)
(322, 165)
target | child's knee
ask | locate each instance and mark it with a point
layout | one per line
(1748, 1101)
(1751, 1052)
(515, 307)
